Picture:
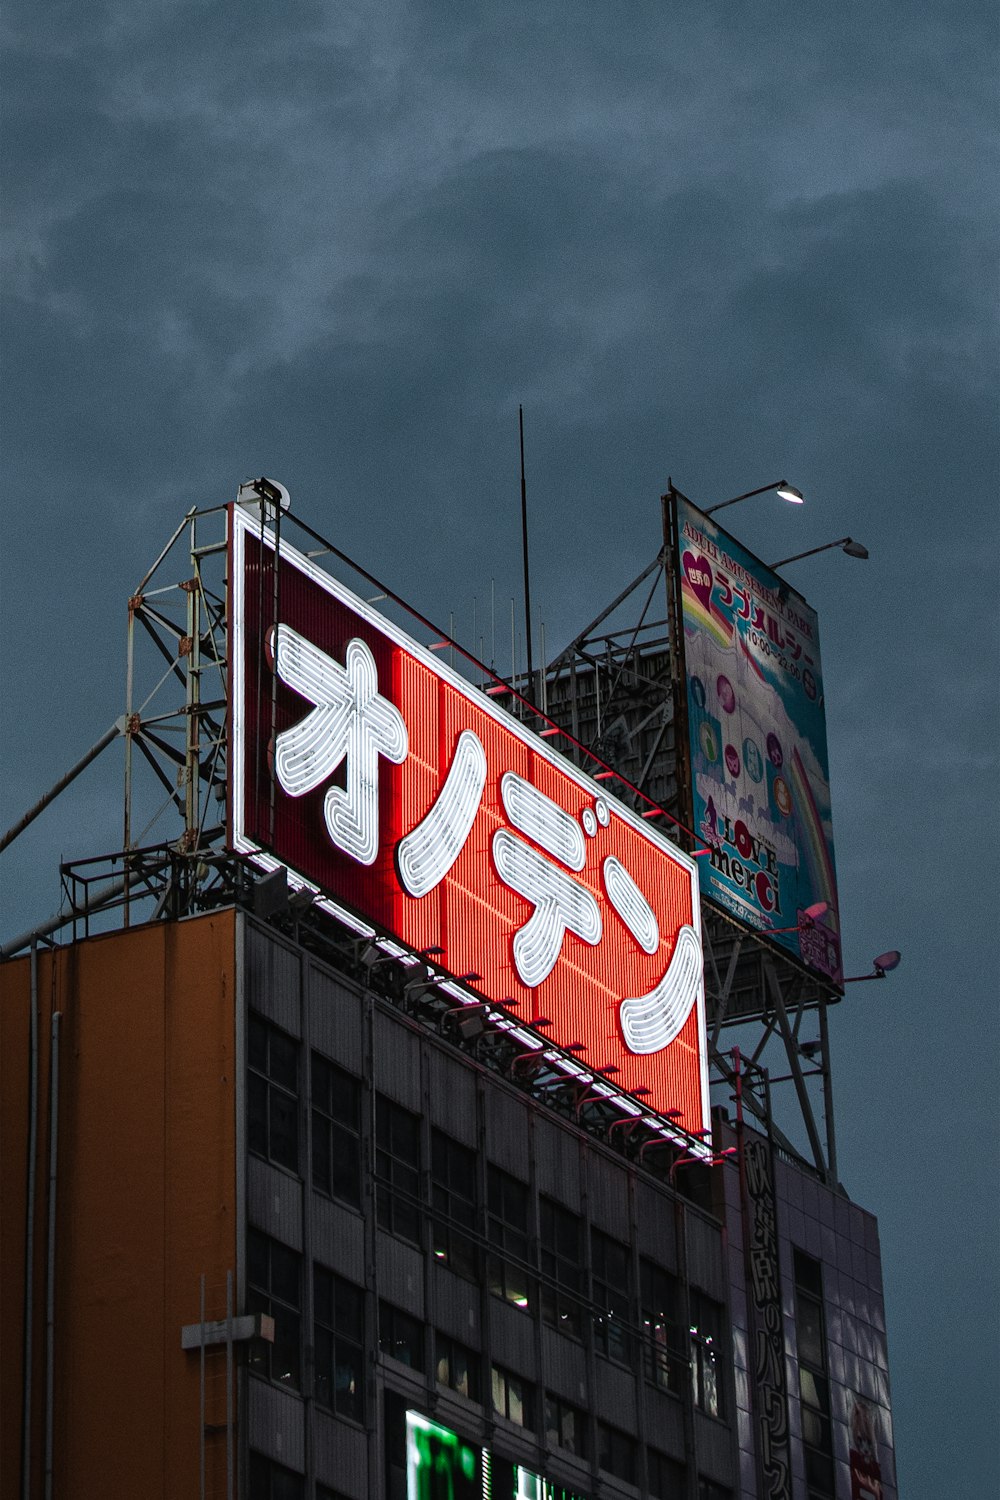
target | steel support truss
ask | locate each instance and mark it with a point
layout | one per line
(611, 689)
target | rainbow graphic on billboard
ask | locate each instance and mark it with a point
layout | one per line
(759, 774)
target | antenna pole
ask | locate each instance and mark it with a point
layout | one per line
(530, 693)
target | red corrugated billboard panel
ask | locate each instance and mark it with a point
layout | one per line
(379, 777)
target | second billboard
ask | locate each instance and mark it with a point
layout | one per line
(758, 775)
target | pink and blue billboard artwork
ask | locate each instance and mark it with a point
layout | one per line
(759, 777)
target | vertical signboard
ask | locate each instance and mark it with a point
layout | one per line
(758, 777)
(383, 780)
(768, 1334)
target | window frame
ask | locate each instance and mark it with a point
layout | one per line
(563, 1419)
(509, 1261)
(339, 1129)
(706, 1335)
(454, 1211)
(665, 1359)
(268, 1091)
(400, 1328)
(287, 1315)
(505, 1378)
(611, 1330)
(398, 1198)
(455, 1352)
(562, 1274)
(346, 1344)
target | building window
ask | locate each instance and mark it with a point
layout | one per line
(561, 1269)
(397, 1169)
(507, 1226)
(271, 1481)
(272, 1093)
(339, 1336)
(453, 1197)
(274, 1286)
(665, 1363)
(336, 1132)
(513, 1397)
(456, 1366)
(565, 1425)
(611, 1280)
(709, 1490)
(667, 1479)
(616, 1452)
(400, 1336)
(814, 1390)
(706, 1354)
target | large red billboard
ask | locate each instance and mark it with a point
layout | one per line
(380, 778)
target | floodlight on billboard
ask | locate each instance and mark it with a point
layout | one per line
(402, 795)
(757, 780)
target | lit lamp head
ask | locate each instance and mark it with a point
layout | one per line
(790, 493)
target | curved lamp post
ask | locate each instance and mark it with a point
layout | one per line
(846, 544)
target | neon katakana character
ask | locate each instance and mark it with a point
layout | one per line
(561, 903)
(350, 719)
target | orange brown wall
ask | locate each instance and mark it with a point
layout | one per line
(145, 1202)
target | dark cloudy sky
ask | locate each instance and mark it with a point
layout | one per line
(724, 241)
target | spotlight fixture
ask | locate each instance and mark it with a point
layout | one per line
(881, 966)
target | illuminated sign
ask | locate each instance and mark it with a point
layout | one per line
(759, 778)
(385, 782)
(440, 1465)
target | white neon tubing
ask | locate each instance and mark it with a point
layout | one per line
(543, 820)
(351, 719)
(428, 852)
(631, 905)
(650, 1022)
(560, 904)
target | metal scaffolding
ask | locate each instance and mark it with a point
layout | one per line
(611, 693)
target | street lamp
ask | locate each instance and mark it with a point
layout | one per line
(785, 491)
(846, 543)
(881, 966)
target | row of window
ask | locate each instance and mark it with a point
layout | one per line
(665, 1480)
(275, 1287)
(549, 1276)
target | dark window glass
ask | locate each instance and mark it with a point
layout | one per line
(339, 1319)
(709, 1490)
(272, 1093)
(616, 1452)
(665, 1356)
(814, 1390)
(513, 1397)
(336, 1131)
(565, 1425)
(667, 1479)
(453, 1197)
(706, 1353)
(562, 1273)
(507, 1227)
(271, 1481)
(456, 1366)
(400, 1336)
(274, 1277)
(397, 1169)
(611, 1277)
